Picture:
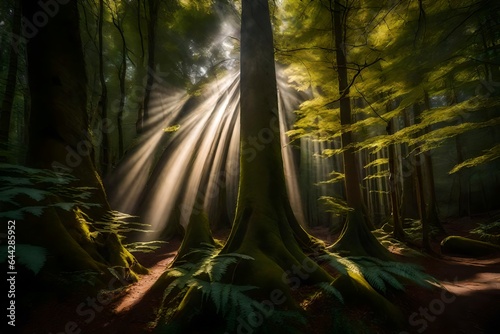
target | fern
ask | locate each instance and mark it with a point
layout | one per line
(39, 185)
(216, 266)
(488, 232)
(378, 273)
(230, 301)
(330, 290)
(211, 264)
(144, 246)
(30, 256)
(117, 222)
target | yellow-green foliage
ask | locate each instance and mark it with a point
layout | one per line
(415, 66)
(487, 156)
(335, 205)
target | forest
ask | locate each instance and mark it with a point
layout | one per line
(250, 166)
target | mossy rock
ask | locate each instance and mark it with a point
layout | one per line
(456, 245)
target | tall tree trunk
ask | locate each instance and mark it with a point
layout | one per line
(262, 195)
(264, 227)
(10, 85)
(59, 141)
(409, 201)
(122, 75)
(463, 179)
(432, 213)
(152, 22)
(103, 100)
(423, 204)
(356, 237)
(398, 231)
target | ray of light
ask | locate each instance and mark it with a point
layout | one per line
(167, 177)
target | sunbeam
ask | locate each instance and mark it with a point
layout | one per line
(197, 168)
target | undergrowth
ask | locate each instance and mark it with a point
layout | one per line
(31, 191)
(232, 302)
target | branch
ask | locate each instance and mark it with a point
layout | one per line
(304, 49)
(353, 80)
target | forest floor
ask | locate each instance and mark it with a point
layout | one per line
(471, 305)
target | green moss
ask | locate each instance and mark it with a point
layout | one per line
(197, 235)
(467, 247)
(357, 240)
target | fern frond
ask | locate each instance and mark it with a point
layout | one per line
(30, 256)
(118, 222)
(329, 289)
(144, 246)
(488, 232)
(378, 273)
(183, 278)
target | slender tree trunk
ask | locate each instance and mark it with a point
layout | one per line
(463, 179)
(421, 195)
(103, 101)
(398, 231)
(140, 68)
(139, 28)
(153, 7)
(356, 237)
(432, 213)
(122, 75)
(27, 115)
(410, 203)
(10, 85)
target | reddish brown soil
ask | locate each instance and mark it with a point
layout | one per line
(471, 305)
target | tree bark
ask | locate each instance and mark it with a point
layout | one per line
(432, 213)
(356, 237)
(59, 140)
(122, 75)
(410, 202)
(152, 22)
(398, 231)
(103, 101)
(10, 85)
(262, 191)
(423, 205)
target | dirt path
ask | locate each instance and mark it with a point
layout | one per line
(472, 303)
(136, 291)
(134, 311)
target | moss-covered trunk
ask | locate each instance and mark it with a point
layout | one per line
(264, 227)
(262, 191)
(59, 140)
